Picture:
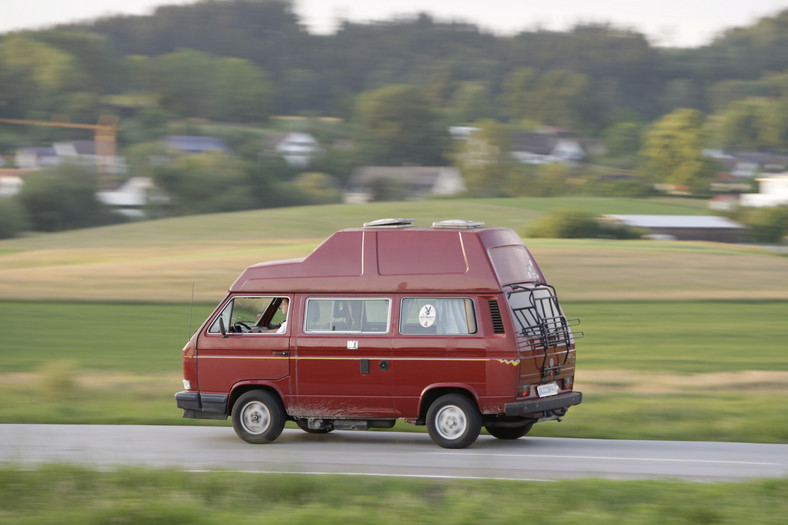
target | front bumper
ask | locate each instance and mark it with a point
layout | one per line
(202, 406)
(546, 404)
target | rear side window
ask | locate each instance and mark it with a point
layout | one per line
(347, 315)
(439, 316)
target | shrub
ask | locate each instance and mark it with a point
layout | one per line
(566, 224)
(64, 198)
(767, 225)
(13, 219)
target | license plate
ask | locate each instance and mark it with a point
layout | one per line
(550, 389)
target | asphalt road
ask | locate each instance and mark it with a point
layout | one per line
(387, 454)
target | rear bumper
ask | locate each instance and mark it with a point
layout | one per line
(202, 406)
(546, 404)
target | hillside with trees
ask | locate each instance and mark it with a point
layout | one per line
(176, 54)
(395, 87)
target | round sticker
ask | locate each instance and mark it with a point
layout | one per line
(427, 315)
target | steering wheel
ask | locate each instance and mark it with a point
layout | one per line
(239, 324)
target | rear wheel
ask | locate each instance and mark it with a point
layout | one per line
(453, 421)
(258, 417)
(509, 431)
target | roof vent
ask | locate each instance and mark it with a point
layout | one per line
(458, 223)
(389, 223)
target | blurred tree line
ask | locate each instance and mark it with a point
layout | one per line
(244, 60)
(398, 85)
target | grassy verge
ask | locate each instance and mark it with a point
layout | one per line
(68, 495)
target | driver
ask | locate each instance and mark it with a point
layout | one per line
(283, 307)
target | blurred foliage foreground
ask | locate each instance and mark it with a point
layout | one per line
(143, 497)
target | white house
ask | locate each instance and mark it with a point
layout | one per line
(87, 153)
(462, 132)
(773, 192)
(133, 196)
(36, 157)
(11, 182)
(540, 148)
(80, 152)
(415, 182)
(296, 148)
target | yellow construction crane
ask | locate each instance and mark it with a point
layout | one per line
(104, 131)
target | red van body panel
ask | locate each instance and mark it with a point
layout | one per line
(408, 259)
(514, 357)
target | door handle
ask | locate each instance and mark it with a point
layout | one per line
(282, 353)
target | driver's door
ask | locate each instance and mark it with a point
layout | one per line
(241, 343)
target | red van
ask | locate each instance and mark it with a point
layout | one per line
(453, 326)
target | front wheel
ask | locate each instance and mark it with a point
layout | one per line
(453, 421)
(258, 417)
(504, 431)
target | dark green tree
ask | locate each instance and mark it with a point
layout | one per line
(623, 139)
(470, 102)
(64, 198)
(13, 218)
(519, 95)
(206, 183)
(673, 151)
(485, 160)
(395, 125)
(192, 83)
(740, 125)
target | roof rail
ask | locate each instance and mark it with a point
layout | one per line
(458, 223)
(389, 223)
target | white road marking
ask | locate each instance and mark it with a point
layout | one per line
(373, 475)
(605, 458)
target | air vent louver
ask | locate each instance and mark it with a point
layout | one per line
(497, 321)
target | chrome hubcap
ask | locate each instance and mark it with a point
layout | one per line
(255, 417)
(450, 422)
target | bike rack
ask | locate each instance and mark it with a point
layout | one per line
(543, 325)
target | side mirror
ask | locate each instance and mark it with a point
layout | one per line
(222, 328)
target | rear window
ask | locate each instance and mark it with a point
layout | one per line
(513, 264)
(438, 316)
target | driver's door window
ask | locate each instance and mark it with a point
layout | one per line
(244, 315)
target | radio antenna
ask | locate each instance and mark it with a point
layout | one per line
(191, 309)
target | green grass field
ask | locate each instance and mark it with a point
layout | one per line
(162, 260)
(681, 338)
(649, 370)
(146, 497)
(683, 341)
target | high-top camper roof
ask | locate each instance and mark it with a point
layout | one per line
(392, 255)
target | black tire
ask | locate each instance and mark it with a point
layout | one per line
(453, 421)
(509, 431)
(258, 416)
(303, 424)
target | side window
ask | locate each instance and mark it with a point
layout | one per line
(439, 316)
(347, 315)
(252, 315)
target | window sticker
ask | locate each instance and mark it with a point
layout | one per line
(427, 315)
